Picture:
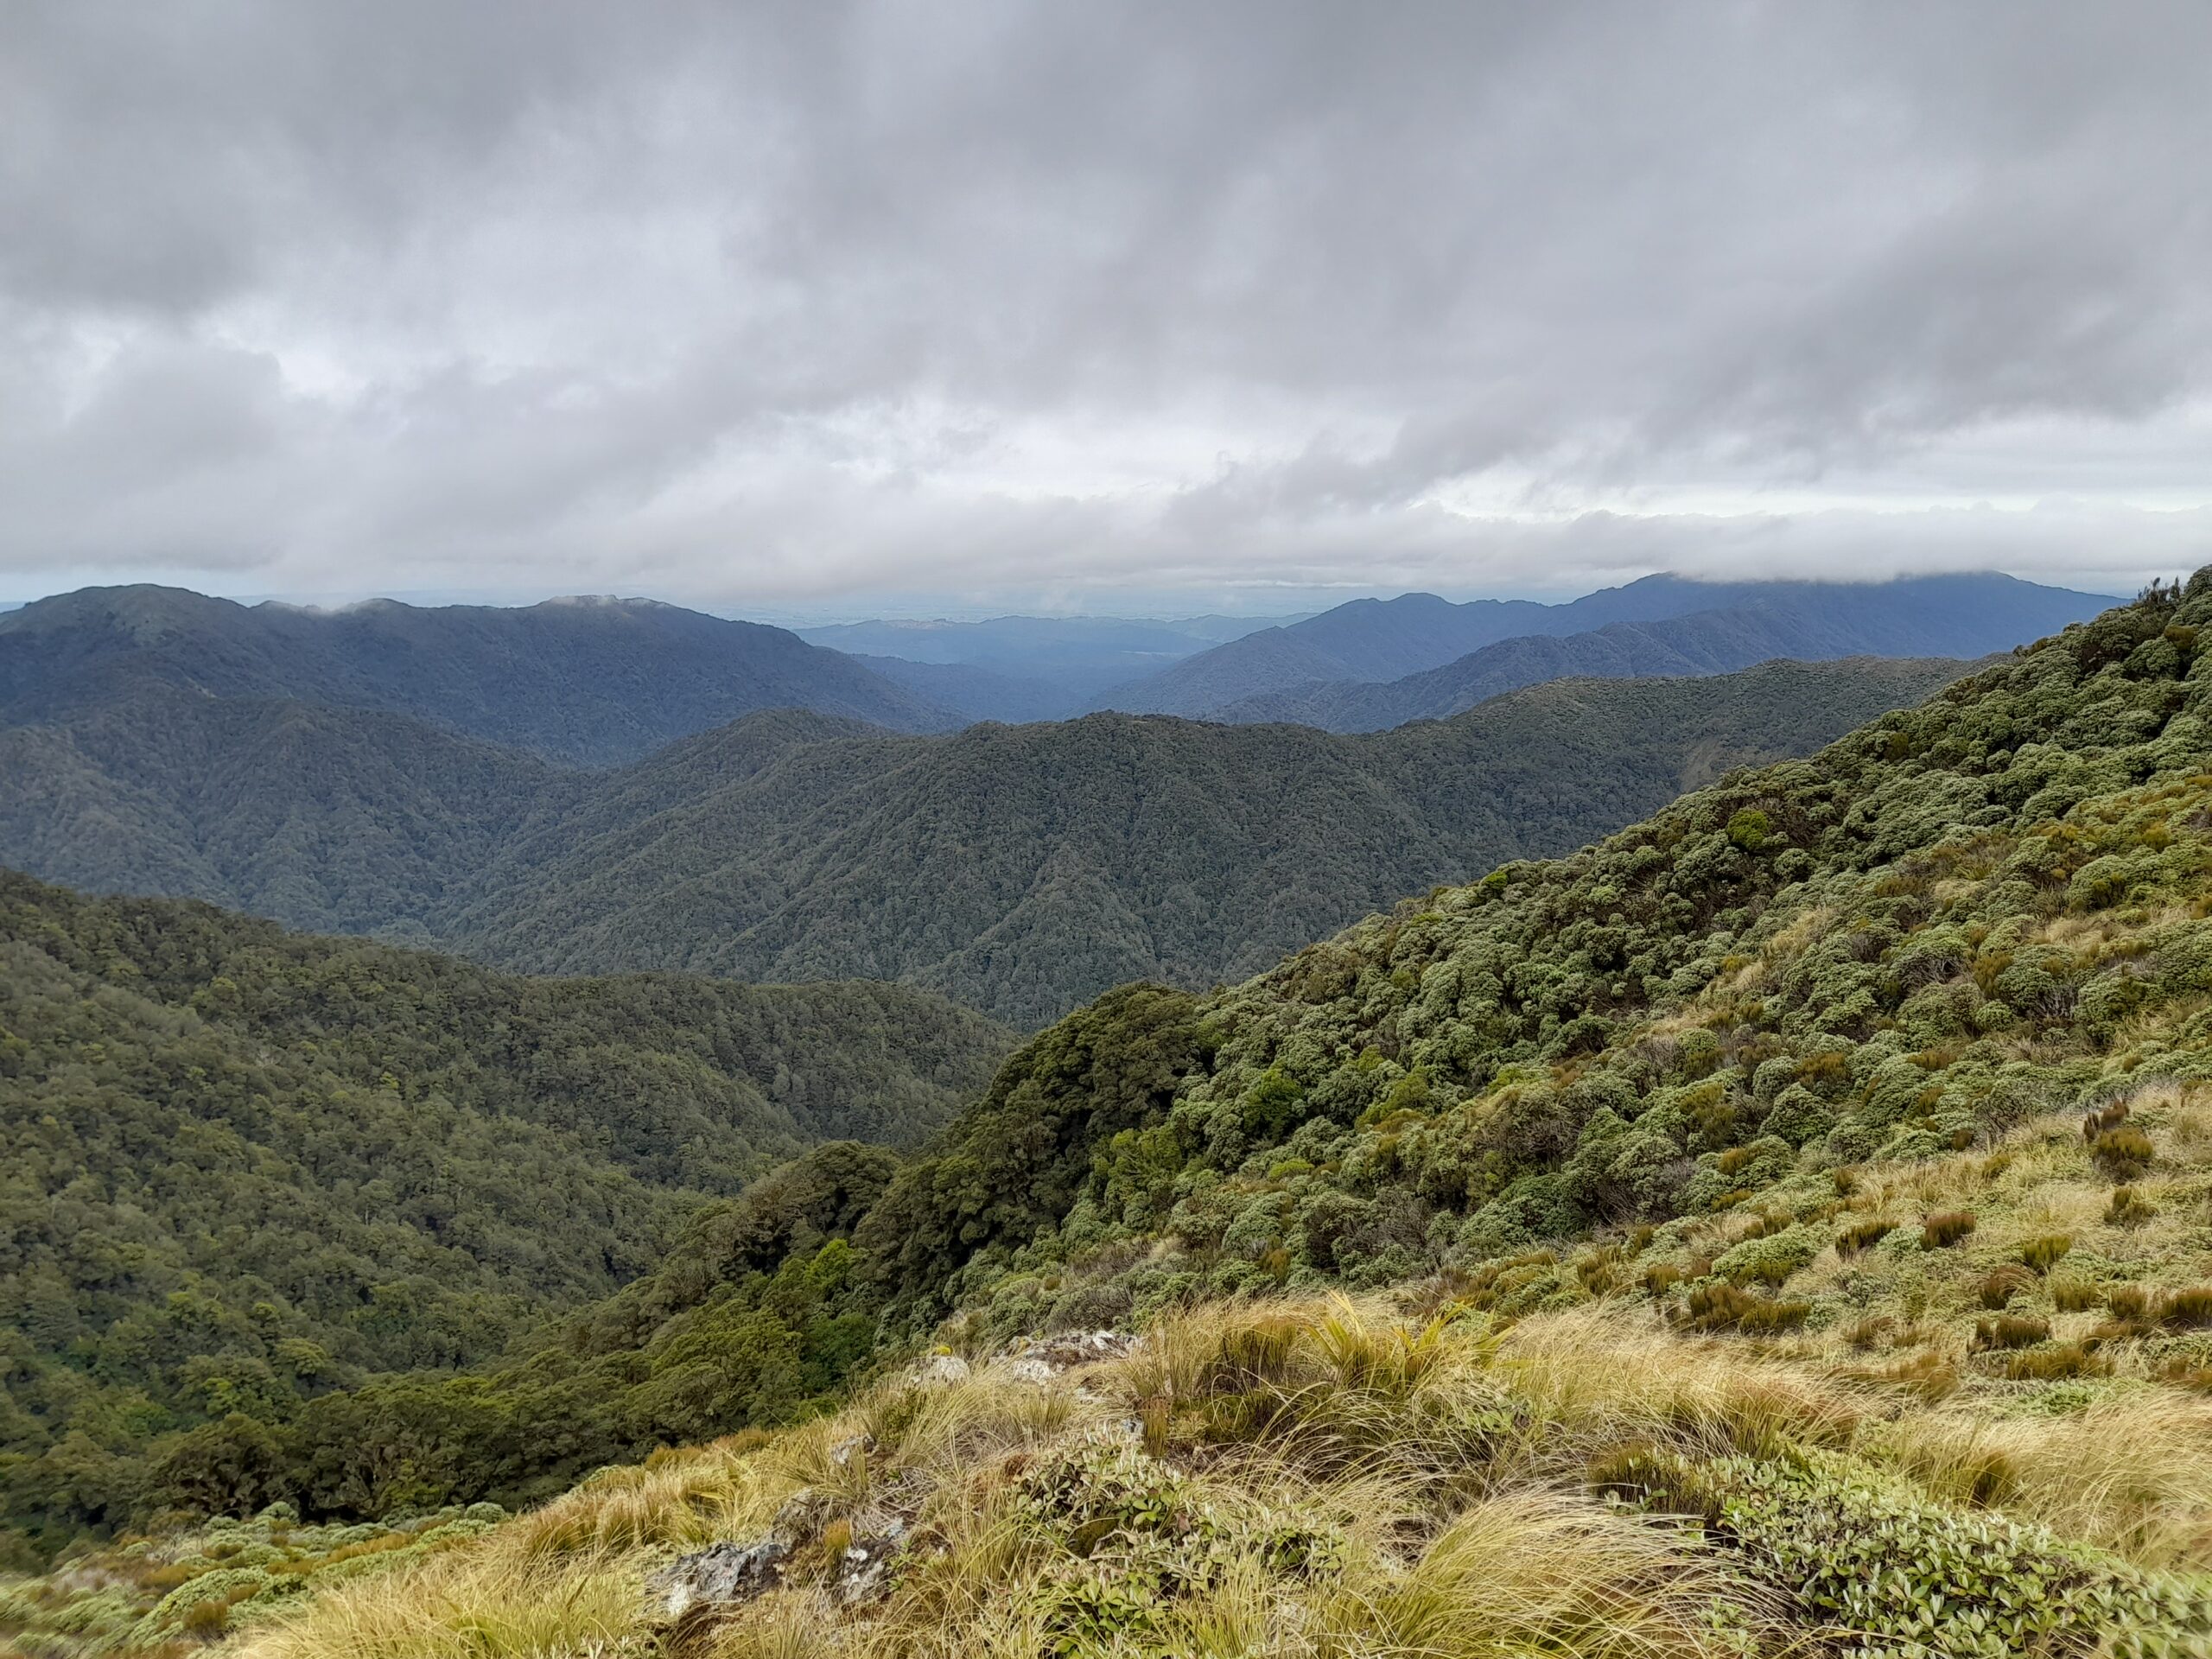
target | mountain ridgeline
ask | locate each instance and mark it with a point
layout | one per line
(1375, 664)
(588, 682)
(1017, 667)
(1020, 870)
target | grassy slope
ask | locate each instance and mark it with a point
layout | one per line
(1469, 1462)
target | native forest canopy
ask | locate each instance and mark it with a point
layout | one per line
(243, 1165)
(1018, 869)
(1779, 1226)
(586, 681)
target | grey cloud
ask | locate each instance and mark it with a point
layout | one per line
(794, 299)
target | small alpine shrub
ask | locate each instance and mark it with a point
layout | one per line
(2123, 1153)
(1725, 1307)
(1867, 1334)
(2010, 1331)
(2073, 1295)
(2128, 1208)
(2186, 1310)
(2185, 1373)
(2056, 1363)
(2129, 1302)
(1861, 1236)
(208, 1619)
(2109, 1116)
(1661, 1277)
(1930, 1376)
(1945, 1228)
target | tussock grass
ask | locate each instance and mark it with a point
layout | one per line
(1597, 1377)
(2132, 1473)
(459, 1606)
(1529, 1573)
(1446, 1452)
(685, 1499)
(1446, 1457)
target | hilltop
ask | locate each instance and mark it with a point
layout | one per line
(587, 682)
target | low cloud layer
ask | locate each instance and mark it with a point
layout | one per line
(798, 306)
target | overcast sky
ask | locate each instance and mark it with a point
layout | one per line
(824, 308)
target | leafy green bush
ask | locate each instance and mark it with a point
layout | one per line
(1903, 1575)
(1770, 1259)
(1130, 1537)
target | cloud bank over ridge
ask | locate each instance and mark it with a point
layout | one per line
(762, 305)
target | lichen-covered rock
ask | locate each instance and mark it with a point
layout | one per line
(725, 1573)
(864, 1572)
(1041, 1360)
(941, 1368)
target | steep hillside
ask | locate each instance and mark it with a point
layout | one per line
(1960, 916)
(1022, 869)
(239, 1166)
(586, 681)
(344, 820)
(1319, 671)
(1791, 1214)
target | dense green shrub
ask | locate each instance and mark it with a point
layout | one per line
(1902, 1575)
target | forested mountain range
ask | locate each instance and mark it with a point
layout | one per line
(583, 680)
(1312, 671)
(1748, 1066)
(1019, 869)
(975, 693)
(1055, 666)
(240, 1166)
(1022, 869)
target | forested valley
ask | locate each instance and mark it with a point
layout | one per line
(1017, 870)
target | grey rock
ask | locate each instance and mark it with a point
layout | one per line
(719, 1572)
(942, 1368)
